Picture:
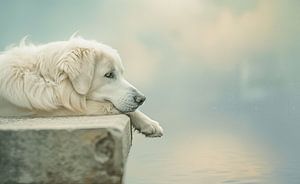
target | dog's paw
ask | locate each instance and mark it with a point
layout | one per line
(152, 129)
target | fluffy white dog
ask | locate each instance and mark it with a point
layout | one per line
(74, 77)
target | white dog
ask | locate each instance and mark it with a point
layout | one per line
(74, 77)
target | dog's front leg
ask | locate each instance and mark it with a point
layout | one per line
(139, 120)
(145, 125)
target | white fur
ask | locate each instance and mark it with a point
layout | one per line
(68, 78)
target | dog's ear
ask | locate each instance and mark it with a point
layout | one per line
(79, 65)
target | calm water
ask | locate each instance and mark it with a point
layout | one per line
(242, 144)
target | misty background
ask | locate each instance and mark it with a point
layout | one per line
(222, 78)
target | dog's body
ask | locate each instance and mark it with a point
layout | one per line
(74, 77)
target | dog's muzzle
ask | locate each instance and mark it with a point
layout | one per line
(131, 102)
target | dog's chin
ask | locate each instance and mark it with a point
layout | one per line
(126, 109)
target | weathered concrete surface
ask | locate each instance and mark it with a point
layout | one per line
(64, 150)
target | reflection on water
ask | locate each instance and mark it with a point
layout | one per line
(198, 157)
(221, 159)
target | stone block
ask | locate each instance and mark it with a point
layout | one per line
(64, 150)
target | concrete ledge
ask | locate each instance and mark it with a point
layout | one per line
(64, 150)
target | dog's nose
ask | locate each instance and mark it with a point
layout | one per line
(139, 99)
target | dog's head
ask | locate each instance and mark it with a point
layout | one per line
(96, 72)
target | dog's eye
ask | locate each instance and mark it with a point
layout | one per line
(109, 75)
